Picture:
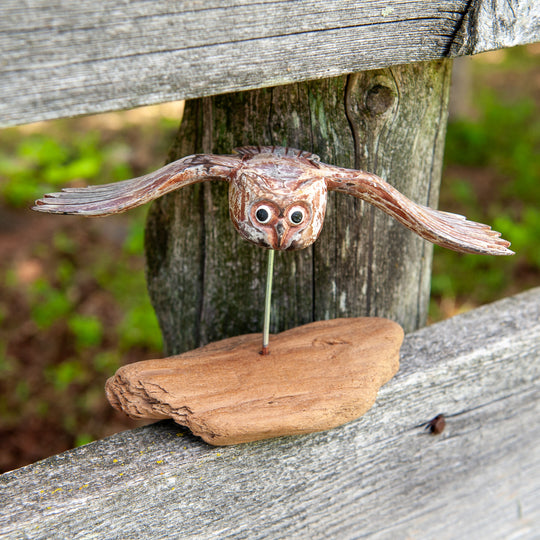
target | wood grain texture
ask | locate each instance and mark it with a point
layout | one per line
(383, 476)
(206, 283)
(316, 377)
(63, 58)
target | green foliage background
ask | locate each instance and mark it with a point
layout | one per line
(492, 175)
(73, 300)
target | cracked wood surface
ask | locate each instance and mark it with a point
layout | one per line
(316, 377)
(67, 58)
(382, 476)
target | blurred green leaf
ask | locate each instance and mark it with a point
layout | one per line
(64, 272)
(7, 364)
(134, 243)
(42, 408)
(19, 193)
(87, 329)
(463, 192)
(65, 373)
(106, 362)
(83, 438)
(40, 149)
(140, 328)
(22, 390)
(63, 242)
(84, 167)
(48, 304)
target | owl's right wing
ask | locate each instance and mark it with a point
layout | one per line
(118, 197)
(448, 230)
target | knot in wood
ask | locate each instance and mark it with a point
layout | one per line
(379, 99)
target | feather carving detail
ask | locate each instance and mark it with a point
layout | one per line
(277, 199)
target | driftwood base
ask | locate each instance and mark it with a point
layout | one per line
(316, 377)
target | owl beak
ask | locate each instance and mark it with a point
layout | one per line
(280, 232)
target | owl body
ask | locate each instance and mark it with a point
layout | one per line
(276, 203)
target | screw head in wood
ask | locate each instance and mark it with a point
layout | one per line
(436, 425)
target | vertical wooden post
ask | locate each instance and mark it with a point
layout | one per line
(206, 283)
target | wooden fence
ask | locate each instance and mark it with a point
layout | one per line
(371, 80)
(66, 58)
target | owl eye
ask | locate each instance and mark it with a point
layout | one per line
(263, 214)
(297, 215)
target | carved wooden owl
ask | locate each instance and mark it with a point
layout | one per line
(277, 199)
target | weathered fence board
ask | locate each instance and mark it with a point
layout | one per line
(382, 475)
(66, 58)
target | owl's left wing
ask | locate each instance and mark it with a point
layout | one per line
(448, 230)
(118, 197)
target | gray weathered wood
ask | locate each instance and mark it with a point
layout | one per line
(65, 58)
(206, 283)
(382, 476)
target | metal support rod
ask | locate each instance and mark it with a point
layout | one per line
(267, 303)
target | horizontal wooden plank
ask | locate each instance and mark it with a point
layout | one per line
(382, 475)
(63, 58)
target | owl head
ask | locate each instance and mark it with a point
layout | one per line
(278, 207)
